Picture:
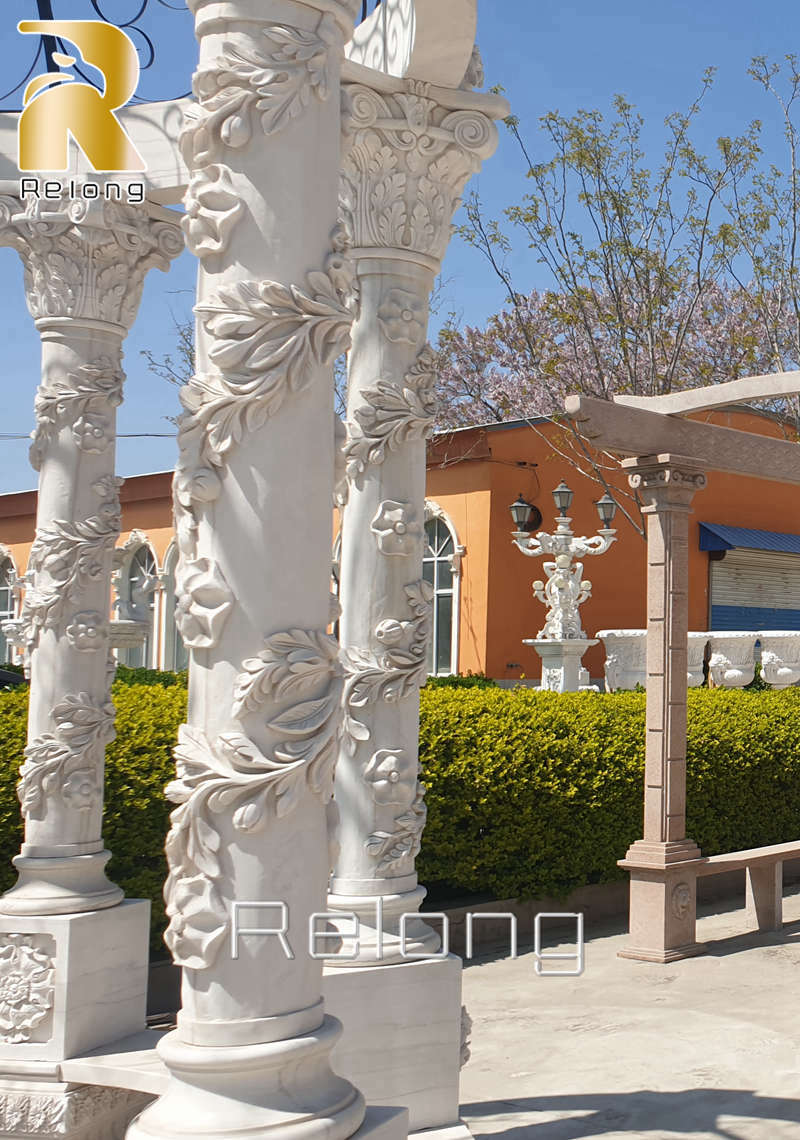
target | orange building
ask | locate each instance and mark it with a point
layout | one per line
(744, 550)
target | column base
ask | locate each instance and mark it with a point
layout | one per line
(57, 1111)
(69, 884)
(382, 945)
(401, 1043)
(83, 980)
(285, 1089)
(663, 901)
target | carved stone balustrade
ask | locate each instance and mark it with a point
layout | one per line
(780, 657)
(732, 661)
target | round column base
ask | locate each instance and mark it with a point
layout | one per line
(381, 941)
(282, 1089)
(66, 884)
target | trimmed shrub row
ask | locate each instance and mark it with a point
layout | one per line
(529, 793)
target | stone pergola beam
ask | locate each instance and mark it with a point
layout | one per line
(634, 431)
(742, 391)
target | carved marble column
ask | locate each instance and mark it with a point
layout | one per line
(73, 955)
(253, 486)
(85, 265)
(411, 150)
(663, 889)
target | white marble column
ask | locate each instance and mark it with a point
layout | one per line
(252, 496)
(85, 265)
(411, 149)
(73, 955)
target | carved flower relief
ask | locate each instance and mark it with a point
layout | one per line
(87, 632)
(27, 992)
(92, 432)
(196, 928)
(81, 789)
(213, 209)
(204, 602)
(402, 317)
(391, 777)
(397, 530)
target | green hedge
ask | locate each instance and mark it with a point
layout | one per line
(532, 794)
(528, 794)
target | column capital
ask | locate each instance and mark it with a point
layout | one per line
(87, 260)
(666, 482)
(410, 150)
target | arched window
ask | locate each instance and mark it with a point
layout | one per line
(137, 586)
(8, 578)
(441, 568)
(176, 655)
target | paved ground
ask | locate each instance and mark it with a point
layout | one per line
(696, 1050)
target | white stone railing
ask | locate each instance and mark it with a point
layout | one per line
(732, 660)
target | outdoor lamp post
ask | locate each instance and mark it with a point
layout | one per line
(562, 642)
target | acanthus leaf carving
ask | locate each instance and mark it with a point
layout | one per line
(275, 84)
(64, 559)
(232, 775)
(391, 417)
(86, 258)
(393, 673)
(67, 762)
(407, 162)
(80, 399)
(404, 840)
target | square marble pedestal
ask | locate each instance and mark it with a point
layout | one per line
(71, 982)
(401, 1043)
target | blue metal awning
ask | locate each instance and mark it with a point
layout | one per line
(717, 536)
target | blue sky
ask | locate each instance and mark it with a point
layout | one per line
(547, 55)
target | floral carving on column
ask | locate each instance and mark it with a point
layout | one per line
(79, 399)
(67, 762)
(27, 990)
(391, 416)
(231, 773)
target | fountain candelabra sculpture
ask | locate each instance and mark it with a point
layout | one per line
(561, 642)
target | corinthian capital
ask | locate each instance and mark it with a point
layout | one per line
(87, 260)
(411, 150)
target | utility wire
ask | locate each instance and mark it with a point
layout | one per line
(121, 435)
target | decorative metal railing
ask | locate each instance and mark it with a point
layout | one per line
(133, 21)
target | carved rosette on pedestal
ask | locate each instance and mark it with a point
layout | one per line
(410, 150)
(251, 1053)
(85, 265)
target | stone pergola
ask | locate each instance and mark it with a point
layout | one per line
(320, 168)
(667, 460)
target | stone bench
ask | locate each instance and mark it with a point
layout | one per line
(764, 879)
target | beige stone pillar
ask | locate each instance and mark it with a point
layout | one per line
(663, 897)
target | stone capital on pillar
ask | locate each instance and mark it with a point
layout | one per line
(665, 482)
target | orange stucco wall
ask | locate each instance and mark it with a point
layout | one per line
(473, 476)
(503, 576)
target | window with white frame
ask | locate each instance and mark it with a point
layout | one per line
(137, 591)
(440, 570)
(176, 655)
(7, 605)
